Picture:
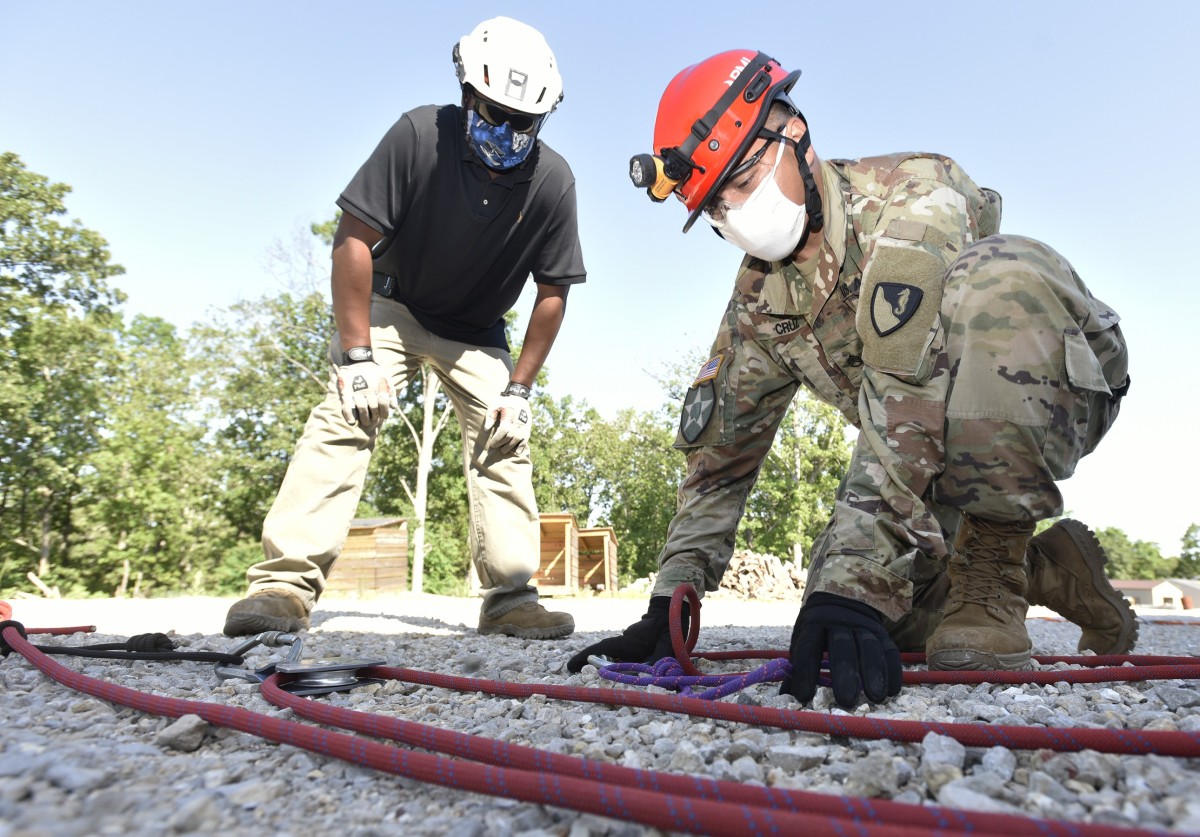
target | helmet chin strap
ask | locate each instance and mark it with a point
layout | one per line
(812, 197)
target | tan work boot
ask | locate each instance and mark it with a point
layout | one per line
(528, 621)
(984, 626)
(266, 610)
(1065, 567)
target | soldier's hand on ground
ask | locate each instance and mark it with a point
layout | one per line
(862, 657)
(366, 393)
(510, 421)
(646, 641)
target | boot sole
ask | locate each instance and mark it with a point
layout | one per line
(527, 633)
(963, 659)
(1095, 558)
(245, 624)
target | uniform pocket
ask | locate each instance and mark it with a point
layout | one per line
(1083, 367)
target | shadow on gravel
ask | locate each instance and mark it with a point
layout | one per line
(320, 617)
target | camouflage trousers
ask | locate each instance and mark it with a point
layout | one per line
(1036, 370)
(1039, 368)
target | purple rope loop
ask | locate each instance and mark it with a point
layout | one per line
(667, 673)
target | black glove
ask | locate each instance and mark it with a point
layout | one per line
(646, 641)
(861, 654)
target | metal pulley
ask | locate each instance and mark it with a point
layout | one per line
(305, 677)
(319, 677)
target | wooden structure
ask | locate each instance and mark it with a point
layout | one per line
(558, 570)
(374, 558)
(598, 559)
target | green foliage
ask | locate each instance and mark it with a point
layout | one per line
(794, 494)
(1189, 556)
(147, 494)
(263, 365)
(56, 370)
(569, 443)
(641, 472)
(1133, 559)
(45, 262)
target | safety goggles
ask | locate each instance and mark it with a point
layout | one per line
(738, 186)
(494, 114)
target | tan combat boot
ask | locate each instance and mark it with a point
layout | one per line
(266, 610)
(528, 621)
(1065, 567)
(984, 626)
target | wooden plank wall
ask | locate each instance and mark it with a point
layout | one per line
(598, 559)
(374, 559)
(558, 570)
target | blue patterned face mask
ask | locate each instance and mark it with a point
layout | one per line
(498, 146)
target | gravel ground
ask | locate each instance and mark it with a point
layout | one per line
(71, 764)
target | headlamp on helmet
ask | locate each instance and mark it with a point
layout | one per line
(708, 117)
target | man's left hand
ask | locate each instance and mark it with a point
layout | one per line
(510, 421)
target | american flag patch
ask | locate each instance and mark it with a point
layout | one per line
(708, 371)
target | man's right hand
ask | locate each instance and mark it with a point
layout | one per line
(862, 657)
(366, 393)
(646, 641)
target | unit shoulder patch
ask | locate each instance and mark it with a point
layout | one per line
(697, 411)
(892, 305)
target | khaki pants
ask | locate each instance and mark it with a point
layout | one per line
(308, 522)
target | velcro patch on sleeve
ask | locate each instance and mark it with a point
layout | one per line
(900, 303)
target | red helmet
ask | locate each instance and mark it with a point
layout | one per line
(708, 116)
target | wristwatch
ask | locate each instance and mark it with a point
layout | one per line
(357, 354)
(514, 388)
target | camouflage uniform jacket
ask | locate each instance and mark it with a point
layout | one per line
(893, 226)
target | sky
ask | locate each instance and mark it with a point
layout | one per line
(200, 137)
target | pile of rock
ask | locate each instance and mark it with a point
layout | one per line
(751, 575)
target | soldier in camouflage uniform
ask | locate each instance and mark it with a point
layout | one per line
(976, 366)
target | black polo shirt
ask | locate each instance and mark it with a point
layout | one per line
(459, 243)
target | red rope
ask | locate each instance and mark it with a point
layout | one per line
(477, 748)
(667, 811)
(668, 801)
(675, 803)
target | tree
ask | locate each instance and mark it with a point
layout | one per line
(147, 508)
(263, 365)
(793, 496)
(1133, 559)
(1189, 556)
(56, 367)
(433, 420)
(641, 472)
(794, 491)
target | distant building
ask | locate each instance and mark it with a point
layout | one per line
(1153, 593)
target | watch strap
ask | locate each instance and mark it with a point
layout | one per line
(357, 354)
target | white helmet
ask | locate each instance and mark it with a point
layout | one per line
(510, 63)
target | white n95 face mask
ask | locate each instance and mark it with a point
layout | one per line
(768, 225)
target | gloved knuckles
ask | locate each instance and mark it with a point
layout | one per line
(510, 420)
(862, 657)
(646, 641)
(365, 392)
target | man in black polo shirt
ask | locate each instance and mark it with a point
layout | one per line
(440, 229)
